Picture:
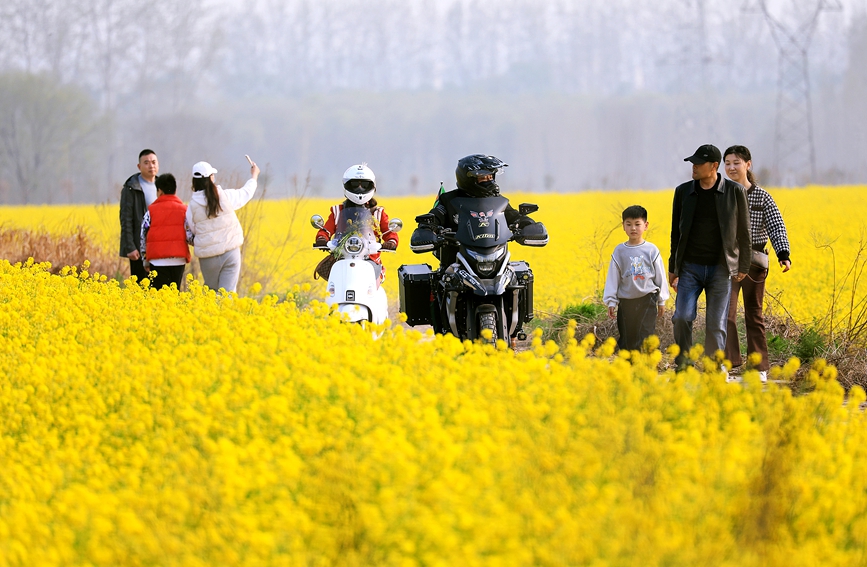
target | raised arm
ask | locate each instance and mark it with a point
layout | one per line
(237, 198)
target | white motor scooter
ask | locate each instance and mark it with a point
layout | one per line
(353, 283)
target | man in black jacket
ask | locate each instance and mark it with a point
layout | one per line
(138, 192)
(710, 244)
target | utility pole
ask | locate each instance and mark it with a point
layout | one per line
(685, 63)
(690, 55)
(792, 31)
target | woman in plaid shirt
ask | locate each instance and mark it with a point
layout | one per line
(765, 222)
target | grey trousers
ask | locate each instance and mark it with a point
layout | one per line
(222, 271)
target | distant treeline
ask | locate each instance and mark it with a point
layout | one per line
(574, 94)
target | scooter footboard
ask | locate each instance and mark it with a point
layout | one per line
(355, 312)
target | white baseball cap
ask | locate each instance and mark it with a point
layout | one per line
(203, 169)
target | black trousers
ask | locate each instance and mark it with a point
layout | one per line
(136, 268)
(636, 320)
(167, 275)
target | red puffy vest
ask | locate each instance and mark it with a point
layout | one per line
(167, 237)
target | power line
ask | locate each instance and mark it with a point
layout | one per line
(794, 149)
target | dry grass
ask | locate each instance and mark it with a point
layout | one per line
(18, 245)
(789, 338)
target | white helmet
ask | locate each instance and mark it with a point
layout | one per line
(359, 184)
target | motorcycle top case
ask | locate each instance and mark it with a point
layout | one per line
(415, 293)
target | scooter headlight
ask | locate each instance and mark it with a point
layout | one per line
(487, 263)
(354, 245)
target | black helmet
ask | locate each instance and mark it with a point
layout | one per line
(478, 165)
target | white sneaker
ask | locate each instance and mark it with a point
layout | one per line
(763, 375)
(725, 372)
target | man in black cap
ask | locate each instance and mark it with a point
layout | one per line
(710, 244)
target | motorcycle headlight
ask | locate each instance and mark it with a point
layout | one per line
(354, 245)
(485, 268)
(487, 263)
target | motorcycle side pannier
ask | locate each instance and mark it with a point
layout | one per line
(524, 276)
(415, 293)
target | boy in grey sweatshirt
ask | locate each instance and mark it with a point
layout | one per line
(636, 288)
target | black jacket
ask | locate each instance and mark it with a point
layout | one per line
(734, 221)
(132, 210)
(447, 216)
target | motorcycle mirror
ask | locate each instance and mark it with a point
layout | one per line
(394, 225)
(527, 208)
(534, 235)
(317, 222)
(427, 218)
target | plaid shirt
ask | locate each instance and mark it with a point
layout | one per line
(767, 222)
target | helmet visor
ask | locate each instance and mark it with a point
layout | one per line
(359, 186)
(477, 173)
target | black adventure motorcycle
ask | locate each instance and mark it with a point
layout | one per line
(483, 289)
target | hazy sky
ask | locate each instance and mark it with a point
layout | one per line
(565, 90)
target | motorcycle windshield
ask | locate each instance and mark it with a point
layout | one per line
(356, 221)
(482, 222)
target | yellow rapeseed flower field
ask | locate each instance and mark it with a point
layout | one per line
(144, 427)
(584, 229)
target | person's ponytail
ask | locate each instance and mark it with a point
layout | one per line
(211, 196)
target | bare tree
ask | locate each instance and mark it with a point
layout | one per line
(48, 133)
(42, 35)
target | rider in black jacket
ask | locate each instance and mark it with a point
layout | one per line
(476, 178)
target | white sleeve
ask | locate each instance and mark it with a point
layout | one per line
(145, 227)
(189, 218)
(612, 282)
(237, 198)
(660, 278)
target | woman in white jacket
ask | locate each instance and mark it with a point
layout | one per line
(216, 231)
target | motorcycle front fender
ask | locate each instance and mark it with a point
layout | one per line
(495, 286)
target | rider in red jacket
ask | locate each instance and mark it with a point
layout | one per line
(359, 185)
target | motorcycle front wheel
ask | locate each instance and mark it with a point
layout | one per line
(488, 321)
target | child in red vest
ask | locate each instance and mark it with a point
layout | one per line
(164, 246)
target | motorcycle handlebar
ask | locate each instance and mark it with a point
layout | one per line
(446, 236)
(326, 249)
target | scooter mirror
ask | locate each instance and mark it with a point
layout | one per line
(317, 221)
(394, 225)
